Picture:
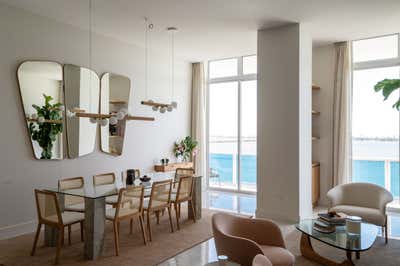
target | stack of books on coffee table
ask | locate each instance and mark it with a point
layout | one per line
(327, 222)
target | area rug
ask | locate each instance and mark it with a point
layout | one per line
(132, 250)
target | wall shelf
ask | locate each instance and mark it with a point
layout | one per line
(315, 87)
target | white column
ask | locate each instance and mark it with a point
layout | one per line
(284, 123)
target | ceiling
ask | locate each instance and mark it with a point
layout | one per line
(210, 29)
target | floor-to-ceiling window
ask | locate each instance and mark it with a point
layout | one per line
(232, 123)
(375, 123)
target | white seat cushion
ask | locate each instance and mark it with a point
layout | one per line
(110, 213)
(67, 217)
(112, 199)
(368, 215)
(80, 207)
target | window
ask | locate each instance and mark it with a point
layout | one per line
(232, 123)
(375, 124)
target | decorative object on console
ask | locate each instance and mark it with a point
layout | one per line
(172, 166)
(184, 149)
(38, 79)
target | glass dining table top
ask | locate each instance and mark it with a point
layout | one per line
(341, 238)
(93, 192)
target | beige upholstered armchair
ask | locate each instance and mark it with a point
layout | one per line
(241, 239)
(261, 260)
(365, 200)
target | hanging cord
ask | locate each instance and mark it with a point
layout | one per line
(146, 54)
(90, 47)
(172, 63)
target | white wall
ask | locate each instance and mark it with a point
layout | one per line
(25, 36)
(284, 123)
(323, 73)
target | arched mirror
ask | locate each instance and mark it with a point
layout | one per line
(82, 93)
(41, 88)
(115, 90)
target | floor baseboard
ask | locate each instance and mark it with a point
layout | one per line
(17, 230)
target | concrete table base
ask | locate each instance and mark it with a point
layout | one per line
(95, 212)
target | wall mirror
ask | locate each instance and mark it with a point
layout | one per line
(115, 90)
(81, 93)
(41, 88)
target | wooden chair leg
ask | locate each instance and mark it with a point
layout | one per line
(36, 239)
(194, 212)
(148, 226)
(59, 244)
(158, 217)
(170, 218)
(130, 226)
(118, 227)
(116, 238)
(69, 235)
(81, 225)
(177, 215)
(143, 229)
(386, 234)
(179, 210)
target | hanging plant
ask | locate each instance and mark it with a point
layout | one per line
(45, 133)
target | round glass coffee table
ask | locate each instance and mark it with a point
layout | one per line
(341, 239)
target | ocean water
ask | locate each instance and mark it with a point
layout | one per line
(363, 170)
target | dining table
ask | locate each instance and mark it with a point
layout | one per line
(95, 209)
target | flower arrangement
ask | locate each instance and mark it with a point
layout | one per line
(185, 148)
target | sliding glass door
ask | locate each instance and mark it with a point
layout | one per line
(232, 124)
(375, 123)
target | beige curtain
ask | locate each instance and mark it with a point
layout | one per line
(198, 116)
(342, 114)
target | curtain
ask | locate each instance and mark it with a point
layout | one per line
(198, 117)
(342, 114)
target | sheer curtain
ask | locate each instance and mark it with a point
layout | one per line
(198, 116)
(342, 114)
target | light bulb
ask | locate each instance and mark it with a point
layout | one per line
(170, 108)
(103, 122)
(120, 115)
(163, 109)
(124, 111)
(70, 114)
(34, 116)
(113, 120)
(150, 101)
(40, 119)
(93, 120)
(155, 108)
(61, 108)
(174, 104)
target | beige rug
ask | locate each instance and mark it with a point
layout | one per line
(132, 250)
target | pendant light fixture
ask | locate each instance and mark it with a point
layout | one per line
(156, 106)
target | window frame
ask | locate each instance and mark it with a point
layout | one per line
(374, 64)
(239, 78)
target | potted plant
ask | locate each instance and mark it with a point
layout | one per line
(45, 133)
(388, 86)
(183, 149)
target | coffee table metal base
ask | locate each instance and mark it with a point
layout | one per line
(308, 252)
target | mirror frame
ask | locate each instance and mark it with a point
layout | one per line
(64, 139)
(100, 111)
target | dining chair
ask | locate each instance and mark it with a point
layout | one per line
(179, 172)
(183, 194)
(49, 214)
(159, 200)
(72, 203)
(106, 179)
(130, 205)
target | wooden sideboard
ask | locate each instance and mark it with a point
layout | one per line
(172, 166)
(315, 183)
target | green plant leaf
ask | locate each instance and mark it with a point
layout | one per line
(388, 86)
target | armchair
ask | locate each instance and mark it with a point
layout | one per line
(362, 199)
(241, 239)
